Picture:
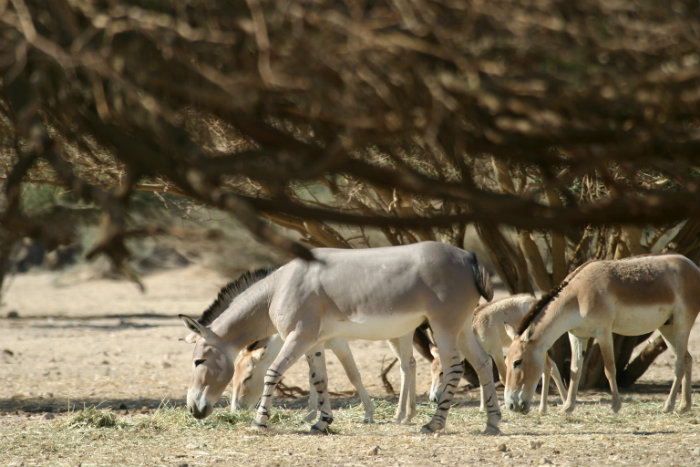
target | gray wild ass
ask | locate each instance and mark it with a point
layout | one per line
(494, 325)
(377, 293)
(631, 297)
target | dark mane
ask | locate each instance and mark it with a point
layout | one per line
(542, 303)
(231, 291)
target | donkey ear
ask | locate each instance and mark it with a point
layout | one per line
(197, 328)
(527, 333)
(434, 351)
(258, 353)
(510, 330)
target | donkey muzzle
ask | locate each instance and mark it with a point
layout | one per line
(515, 402)
(200, 413)
(198, 405)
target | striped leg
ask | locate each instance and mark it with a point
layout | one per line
(313, 395)
(317, 370)
(452, 373)
(481, 361)
(293, 348)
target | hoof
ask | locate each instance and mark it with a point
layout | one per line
(310, 417)
(258, 426)
(318, 431)
(428, 429)
(368, 420)
(491, 430)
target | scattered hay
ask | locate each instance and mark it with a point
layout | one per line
(92, 417)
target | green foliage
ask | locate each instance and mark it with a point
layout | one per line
(38, 200)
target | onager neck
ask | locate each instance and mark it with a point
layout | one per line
(559, 317)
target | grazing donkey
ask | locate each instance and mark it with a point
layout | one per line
(251, 365)
(494, 325)
(631, 297)
(377, 293)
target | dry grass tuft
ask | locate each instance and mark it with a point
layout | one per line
(639, 435)
(92, 417)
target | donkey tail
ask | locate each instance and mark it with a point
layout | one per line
(482, 279)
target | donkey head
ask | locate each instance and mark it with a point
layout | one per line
(524, 365)
(212, 370)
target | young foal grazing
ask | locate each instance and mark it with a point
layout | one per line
(631, 297)
(494, 325)
(251, 365)
(378, 293)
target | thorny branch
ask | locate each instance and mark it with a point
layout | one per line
(393, 110)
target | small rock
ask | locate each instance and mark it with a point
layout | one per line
(48, 416)
(184, 464)
(373, 451)
(546, 461)
(507, 455)
(8, 352)
(144, 409)
(502, 447)
(13, 314)
(535, 443)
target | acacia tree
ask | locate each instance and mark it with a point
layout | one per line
(576, 125)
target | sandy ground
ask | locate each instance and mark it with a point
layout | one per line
(78, 341)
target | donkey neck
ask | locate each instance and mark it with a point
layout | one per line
(247, 320)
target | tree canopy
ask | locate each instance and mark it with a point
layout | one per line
(430, 103)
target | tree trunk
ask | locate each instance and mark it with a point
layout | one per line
(639, 365)
(559, 267)
(7, 242)
(534, 260)
(687, 241)
(508, 260)
(594, 368)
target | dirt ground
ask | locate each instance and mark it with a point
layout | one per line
(69, 340)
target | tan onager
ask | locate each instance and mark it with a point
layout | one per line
(630, 297)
